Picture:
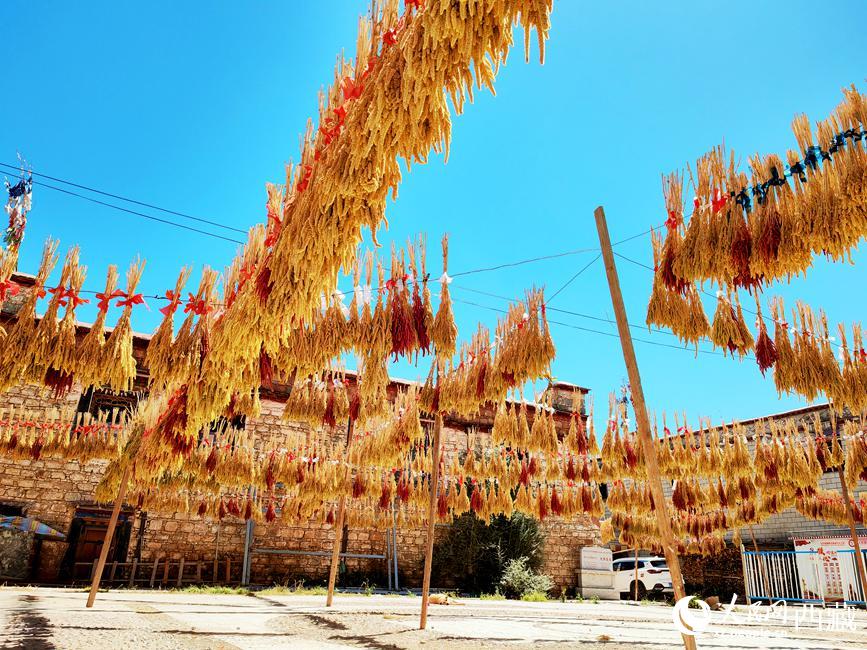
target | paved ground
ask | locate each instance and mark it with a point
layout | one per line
(42, 619)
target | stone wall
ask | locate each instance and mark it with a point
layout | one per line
(50, 490)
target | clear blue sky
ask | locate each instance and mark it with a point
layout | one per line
(194, 106)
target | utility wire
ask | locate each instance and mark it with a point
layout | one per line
(655, 330)
(574, 277)
(139, 214)
(534, 259)
(128, 200)
(587, 329)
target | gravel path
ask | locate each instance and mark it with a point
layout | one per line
(43, 619)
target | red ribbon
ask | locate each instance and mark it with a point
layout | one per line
(130, 300)
(351, 90)
(74, 300)
(198, 306)
(418, 4)
(59, 292)
(371, 63)
(174, 303)
(672, 220)
(105, 299)
(390, 37)
(305, 180)
(8, 288)
(718, 203)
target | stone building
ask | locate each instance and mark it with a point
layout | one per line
(60, 494)
(723, 574)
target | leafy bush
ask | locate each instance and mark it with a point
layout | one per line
(473, 555)
(520, 580)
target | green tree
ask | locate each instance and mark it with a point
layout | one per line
(473, 554)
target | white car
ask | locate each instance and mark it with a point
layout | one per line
(653, 576)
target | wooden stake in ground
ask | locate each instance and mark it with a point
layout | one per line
(109, 535)
(431, 519)
(635, 577)
(647, 444)
(338, 533)
(859, 559)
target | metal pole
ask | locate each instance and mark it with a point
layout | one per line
(651, 462)
(394, 545)
(859, 559)
(109, 534)
(388, 556)
(766, 583)
(248, 543)
(431, 519)
(338, 533)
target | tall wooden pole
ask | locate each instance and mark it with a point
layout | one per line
(647, 443)
(859, 559)
(635, 577)
(109, 535)
(338, 532)
(431, 519)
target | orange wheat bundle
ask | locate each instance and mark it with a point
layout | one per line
(120, 365)
(444, 332)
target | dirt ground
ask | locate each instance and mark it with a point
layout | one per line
(43, 619)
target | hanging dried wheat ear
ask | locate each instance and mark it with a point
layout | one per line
(683, 313)
(346, 169)
(91, 366)
(422, 311)
(403, 335)
(747, 232)
(121, 365)
(160, 357)
(64, 359)
(729, 331)
(444, 332)
(672, 189)
(45, 331)
(766, 351)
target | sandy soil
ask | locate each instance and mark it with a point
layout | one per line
(43, 619)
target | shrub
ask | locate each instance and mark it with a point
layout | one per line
(519, 580)
(473, 555)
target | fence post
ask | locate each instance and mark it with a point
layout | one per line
(746, 578)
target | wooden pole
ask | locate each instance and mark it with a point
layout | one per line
(338, 532)
(109, 534)
(647, 443)
(431, 519)
(859, 559)
(635, 578)
(746, 580)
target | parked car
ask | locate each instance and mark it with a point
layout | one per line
(653, 576)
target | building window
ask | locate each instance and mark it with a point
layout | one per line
(221, 425)
(11, 510)
(113, 406)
